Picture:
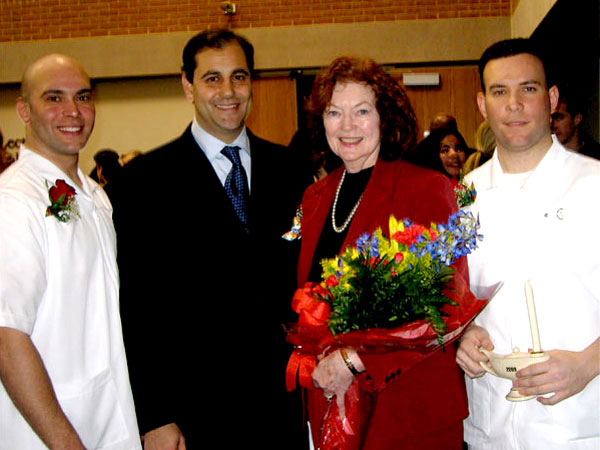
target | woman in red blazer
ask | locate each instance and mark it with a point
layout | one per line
(368, 122)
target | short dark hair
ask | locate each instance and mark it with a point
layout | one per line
(108, 159)
(511, 47)
(217, 38)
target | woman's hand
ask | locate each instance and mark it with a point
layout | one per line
(334, 377)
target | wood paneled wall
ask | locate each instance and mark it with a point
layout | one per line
(456, 95)
(274, 113)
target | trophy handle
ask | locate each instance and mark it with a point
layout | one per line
(483, 364)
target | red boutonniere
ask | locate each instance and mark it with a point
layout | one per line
(62, 202)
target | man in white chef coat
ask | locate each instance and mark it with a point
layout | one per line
(64, 381)
(539, 213)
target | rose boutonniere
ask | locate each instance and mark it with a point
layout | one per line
(465, 195)
(62, 202)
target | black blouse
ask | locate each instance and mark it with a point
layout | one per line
(330, 243)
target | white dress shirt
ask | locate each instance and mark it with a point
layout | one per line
(211, 146)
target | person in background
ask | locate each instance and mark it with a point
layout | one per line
(313, 153)
(64, 380)
(443, 120)
(129, 156)
(444, 150)
(534, 198)
(6, 158)
(369, 123)
(108, 168)
(206, 277)
(485, 143)
(567, 124)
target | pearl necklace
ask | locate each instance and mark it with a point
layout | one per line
(337, 194)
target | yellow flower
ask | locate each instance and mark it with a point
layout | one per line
(395, 226)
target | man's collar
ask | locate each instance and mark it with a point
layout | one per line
(51, 172)
(213, 146)
(552, 158)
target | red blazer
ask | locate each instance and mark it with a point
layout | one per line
(430, 397)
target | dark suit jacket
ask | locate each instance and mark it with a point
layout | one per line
(431, 396)
(203, 302)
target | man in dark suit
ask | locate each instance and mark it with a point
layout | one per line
(206, 279)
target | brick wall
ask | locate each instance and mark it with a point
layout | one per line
(27, 20)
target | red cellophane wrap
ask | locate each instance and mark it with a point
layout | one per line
(312, 338)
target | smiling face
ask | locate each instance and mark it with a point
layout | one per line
(221, 91)
(452, 155)
(57, 108)
(352, 125)
(517, 103)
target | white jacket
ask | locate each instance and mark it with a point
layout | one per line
(544, 228)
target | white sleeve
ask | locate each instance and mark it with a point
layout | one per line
(22, 261)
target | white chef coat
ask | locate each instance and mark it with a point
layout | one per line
(545, 228)
(59, 284)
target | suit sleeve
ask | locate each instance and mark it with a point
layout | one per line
(142, 300)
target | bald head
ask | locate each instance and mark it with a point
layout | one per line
(443, 120)
(46, 66)
(57, 108)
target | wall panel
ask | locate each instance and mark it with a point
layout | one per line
(456, 95)
(274, 112)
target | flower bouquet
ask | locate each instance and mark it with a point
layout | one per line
(382, 295)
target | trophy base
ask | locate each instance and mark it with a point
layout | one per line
(514, 396)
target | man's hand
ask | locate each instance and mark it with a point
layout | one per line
(565, 373)
(167, 437)
(468, 355)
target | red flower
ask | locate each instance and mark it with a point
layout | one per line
(409, 235)
(332, 281)
(399, 257)
(62, 202)
(61, 192)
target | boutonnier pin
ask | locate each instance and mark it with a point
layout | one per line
(465, 195)
(296, 230)
(62, 202)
